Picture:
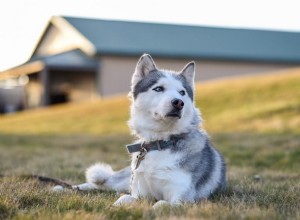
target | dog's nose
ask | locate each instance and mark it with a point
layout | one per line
(177, 103)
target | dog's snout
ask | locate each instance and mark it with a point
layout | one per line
(177, 103)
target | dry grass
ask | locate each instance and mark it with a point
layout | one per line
(254, 122)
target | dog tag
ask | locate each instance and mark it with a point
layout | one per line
(140, 157)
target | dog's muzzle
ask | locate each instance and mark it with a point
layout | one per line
(177, 105)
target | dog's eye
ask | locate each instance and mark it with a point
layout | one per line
(182, 92)
(159, 89)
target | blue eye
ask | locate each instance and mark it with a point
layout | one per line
(182, 92)
(159, 89)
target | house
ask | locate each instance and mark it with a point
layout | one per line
(81, 59)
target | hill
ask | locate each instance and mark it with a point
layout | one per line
(260, 104)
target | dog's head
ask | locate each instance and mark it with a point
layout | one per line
(162, 101)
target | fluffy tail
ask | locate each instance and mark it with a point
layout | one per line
(102, 176)
(99, 173)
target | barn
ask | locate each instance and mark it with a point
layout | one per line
(79, 59)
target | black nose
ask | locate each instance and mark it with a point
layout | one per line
(177, 103)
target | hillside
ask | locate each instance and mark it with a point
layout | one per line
(261, 104)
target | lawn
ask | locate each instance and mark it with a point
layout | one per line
(253, 121)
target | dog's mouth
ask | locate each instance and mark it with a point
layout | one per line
(174, 114)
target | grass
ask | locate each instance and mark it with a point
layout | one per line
(254, 122)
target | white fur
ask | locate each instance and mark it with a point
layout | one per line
(158, 177)
(85, 186)
(124, 199)
(98, 173)
(148, 113)
(58, 188)
(102, 176)
(96, 176)
(160, 204)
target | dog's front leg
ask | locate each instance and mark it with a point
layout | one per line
(127, 199)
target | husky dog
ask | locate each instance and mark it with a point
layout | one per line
(173, 160)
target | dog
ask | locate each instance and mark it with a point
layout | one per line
(173, 160)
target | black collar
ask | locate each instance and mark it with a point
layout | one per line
(154, 145)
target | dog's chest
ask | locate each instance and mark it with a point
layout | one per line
(155, 161)
(157, 172)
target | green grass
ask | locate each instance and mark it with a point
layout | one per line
(254, 122)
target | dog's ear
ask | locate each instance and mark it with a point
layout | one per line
(189, 73)
(144, 66)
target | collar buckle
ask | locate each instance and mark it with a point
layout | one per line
(141, 156)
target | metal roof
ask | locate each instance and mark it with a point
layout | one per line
(73, 58)
(169, 40)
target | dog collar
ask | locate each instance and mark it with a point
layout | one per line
(155, 145)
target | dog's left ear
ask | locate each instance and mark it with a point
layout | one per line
(189, 73)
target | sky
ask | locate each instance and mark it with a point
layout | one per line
(23, 21)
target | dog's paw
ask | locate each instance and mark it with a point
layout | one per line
(125, 199)
(160, 204)
(58, 188)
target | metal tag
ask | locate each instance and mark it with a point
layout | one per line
(140, 157)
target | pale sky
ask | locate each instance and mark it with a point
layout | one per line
(22, 21)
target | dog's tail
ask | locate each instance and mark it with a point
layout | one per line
(102, 176)
(99, 173)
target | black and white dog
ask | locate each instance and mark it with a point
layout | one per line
(173, 160)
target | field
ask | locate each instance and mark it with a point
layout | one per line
(253, 121)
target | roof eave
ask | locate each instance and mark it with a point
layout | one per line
(27, 68)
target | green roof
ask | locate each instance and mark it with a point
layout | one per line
(168, 40)
(72, 58)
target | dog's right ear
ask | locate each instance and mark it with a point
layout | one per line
(144, 66)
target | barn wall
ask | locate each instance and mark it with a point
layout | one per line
(116, 71)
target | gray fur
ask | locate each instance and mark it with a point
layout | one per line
(118, 179)
(185, 84)
(147, 82)
(223, 183)
(200, 163)
(152, 78)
